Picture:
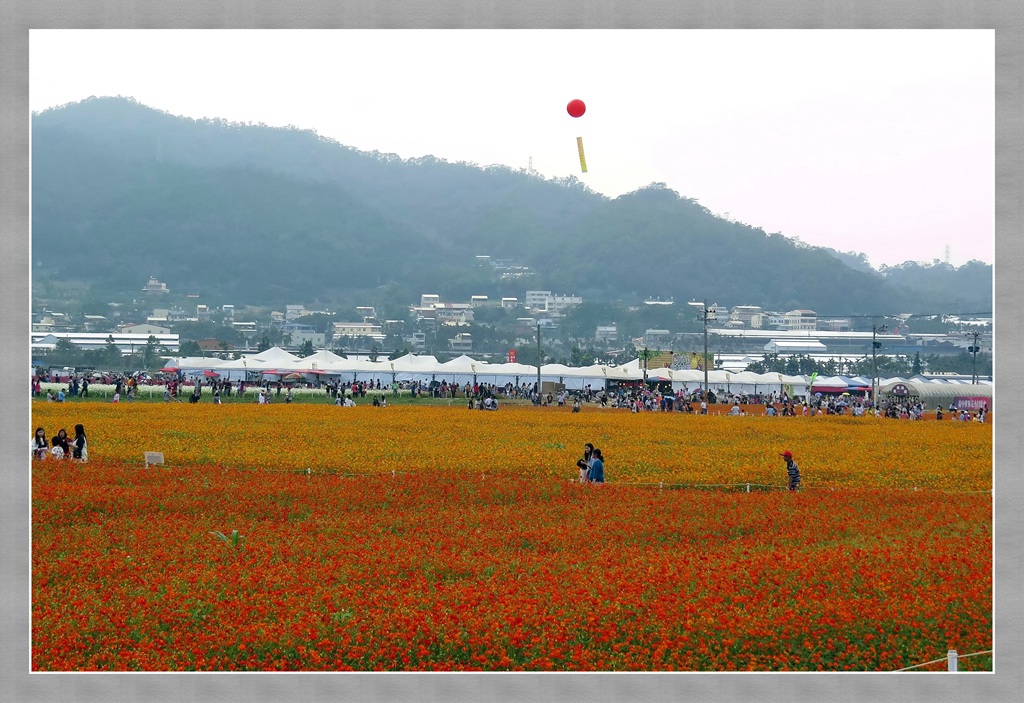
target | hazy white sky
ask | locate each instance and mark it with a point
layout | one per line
(876, 141)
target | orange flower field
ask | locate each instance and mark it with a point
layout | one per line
(415, 537)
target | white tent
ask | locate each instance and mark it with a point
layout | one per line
(772, 380)
(500, 374)
(268, 360)
(662, 374)
(322, 358)
(633, 367)
(275, 355)
(828, 383)
(382, 370)
(348, 370)
(794, 385)
(688, 377)
(624, 372)
(414, 368)
(719, 379)
(595, 376)
(194, 363)
(558, 373)
(750, 382)
(963, 396)
(459, 370)
(317, 366)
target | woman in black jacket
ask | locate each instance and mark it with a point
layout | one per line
(79, 447)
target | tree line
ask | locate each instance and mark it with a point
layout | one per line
(886, 365)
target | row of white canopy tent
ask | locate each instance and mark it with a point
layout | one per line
(275, 364)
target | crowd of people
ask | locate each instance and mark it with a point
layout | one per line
(59, 446)
(636, 397)
(917, 411)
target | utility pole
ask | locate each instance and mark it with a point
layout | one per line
(647, 356)
(539, 359)
(875, 329)
(704, 316)
(974, 349)
(706, 385)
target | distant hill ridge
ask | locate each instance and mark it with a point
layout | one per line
(260, 215)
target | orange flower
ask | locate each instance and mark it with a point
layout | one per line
(435, 567)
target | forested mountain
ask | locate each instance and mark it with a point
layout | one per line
(259, 215)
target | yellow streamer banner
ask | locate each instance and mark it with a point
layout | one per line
(583, 160)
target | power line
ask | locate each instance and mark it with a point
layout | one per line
(903, 315)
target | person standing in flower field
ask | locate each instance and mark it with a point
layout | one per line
(792, 471)
(79, 447)
(597, 467)
(584, 464)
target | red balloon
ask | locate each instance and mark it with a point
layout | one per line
(576, 108)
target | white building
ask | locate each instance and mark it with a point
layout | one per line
(559, 302)
(299, 334)
(802, 320)
(453, 314)
(155, 286)
(842, 324)
(127, 343)
(509, 303)
(423, 313)
(357, 329)
(537, 299)
(606, 334)
(248, 329)
(477, 300)
(462, 342)
(429, 299)
(144, 329)
(795, 346)
(293, 312)
(545, 301)
(745, 314)
(774, 320)
(418, 340)
(161, 315)
(95, 323)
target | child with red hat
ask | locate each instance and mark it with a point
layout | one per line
(792, 470)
